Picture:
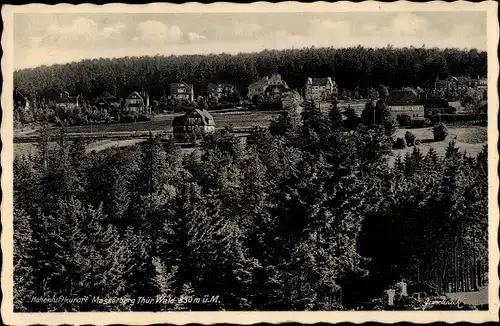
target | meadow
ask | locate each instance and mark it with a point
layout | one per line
(467, 139)
(164, 122)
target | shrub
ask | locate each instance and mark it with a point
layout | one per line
(404, 119)
(440, 132)
(410, 138)
(143, 117)
(419, 123)
(400, 143)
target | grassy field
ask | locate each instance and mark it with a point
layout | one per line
(164, 122)
(467, 139)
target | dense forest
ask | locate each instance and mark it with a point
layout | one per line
(351, 67)
(306, 215)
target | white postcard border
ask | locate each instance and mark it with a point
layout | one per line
(138, 318)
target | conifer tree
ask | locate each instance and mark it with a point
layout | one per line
(23, 251)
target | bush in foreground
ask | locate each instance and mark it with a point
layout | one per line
(440, 132)
(410, 138)
(400, 143)
(404, 120)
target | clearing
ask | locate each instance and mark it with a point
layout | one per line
(164, 122)
(467, 139)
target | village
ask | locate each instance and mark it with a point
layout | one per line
(185, 114)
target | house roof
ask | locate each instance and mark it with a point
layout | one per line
(409, 90)
(435, 102)
(455, 104)
(207, 118)
(176, 86)
(19, 94)
(456, 79)
(135, 94)
(403, 96)
(68, 99)
(261, 82)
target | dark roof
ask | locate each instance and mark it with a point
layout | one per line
(68, 99)
(19, 94)
(403, 96)
(135, 95)
(261, 82)
(207, 118)
(455, 104)
(435, 102)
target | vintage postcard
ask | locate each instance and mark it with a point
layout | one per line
(244, 163)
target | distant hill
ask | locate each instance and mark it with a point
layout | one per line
(350, 67)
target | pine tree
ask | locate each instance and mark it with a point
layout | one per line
(59, 243)
(140, 272)
(23, 251)
(335, 116)
(106, 259)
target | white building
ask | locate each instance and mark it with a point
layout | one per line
(318, 89)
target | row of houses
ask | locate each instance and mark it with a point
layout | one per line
(406, 100)
(272, 88)
(452, 83)
(275, 87)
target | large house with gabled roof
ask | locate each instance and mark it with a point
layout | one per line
(195, 121)
(318, 89)
(136, 103)
(261, 87)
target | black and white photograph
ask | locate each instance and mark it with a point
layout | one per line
(324, 159)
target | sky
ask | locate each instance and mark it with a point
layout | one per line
(60, 38)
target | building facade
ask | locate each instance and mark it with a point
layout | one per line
(320, 89)
(274, 93)
(21, 101)
(260, 86)
(68, 102)
(458, 84)
(107, 103)
(182, 91)
(221, 90)
(136, 103)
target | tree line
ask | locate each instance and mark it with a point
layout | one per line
(305, 215)
(355, 69)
